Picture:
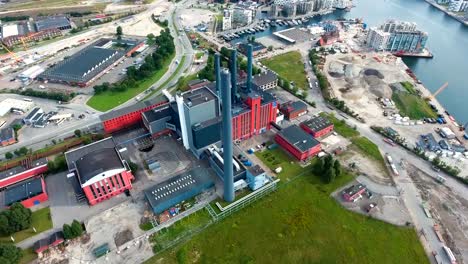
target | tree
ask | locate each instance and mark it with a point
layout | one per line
(8, 155)
(330, 175)
(337, 167)
(15, 219)
(10, 254)
(67, 232)
(76, 228)
(77, 133)
(270, 48)
(118, 32)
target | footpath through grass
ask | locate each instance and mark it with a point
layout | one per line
(289, 66)
(41, 220)
(299, 223)
(107, 100)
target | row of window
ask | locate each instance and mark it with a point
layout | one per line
(107, 186)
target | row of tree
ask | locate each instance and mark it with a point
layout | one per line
(152, 63)
(72, 231)
(23, 151)
(47, 95)
(15, 219)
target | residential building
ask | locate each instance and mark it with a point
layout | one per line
(397, 37)
(266, 80)
(227, 19)
(99, 170)
(377, 39)
(458, 5)
(297, 142)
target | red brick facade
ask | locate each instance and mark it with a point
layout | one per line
(298, 154)
(255, 121)
(319, 133)
(108, 187)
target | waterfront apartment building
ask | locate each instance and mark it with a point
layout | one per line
(458, 5)
(377, 39)
(397, 37)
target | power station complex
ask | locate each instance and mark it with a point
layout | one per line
(198, 118)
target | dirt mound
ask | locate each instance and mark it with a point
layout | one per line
(378, 87)
(374, 72)
(123, 237)
(336, 69)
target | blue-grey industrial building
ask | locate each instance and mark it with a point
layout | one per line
(179, 188)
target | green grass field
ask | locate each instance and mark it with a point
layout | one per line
(289, 66)
(341, 127)
(412, 106)
(41, 220)
(279, 158)
(409, 87)
(299, 223)
(108, 100)
(369, 149)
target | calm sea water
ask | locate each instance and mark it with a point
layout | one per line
(448, 41)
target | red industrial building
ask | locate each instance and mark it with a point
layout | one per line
(24, 184)
(7, 136)
(254, 115)
(353, 192)
(318, 126)
(100, 171)
(129, 116)
(293, 110)
(297, 142)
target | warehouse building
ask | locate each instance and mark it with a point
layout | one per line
(85, 66)
(7, 136)
(293, 110)
(129, 116)
(100, 170)
(297, 142)
(53, 22)
(14, 105)
(34, 116)
(318, 126)
(179, 188)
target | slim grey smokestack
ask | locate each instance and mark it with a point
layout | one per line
(249, 67)
(233, 73)
(227, 137)
(218, 74)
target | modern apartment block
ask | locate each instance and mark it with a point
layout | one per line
(458, 5)
(397, 37)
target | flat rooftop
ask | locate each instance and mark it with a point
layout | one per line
(178, 185)
(132, 108)
(317, 123)
(75, 154)
(83, 65)
(23, 191)
(292, 35)
(297, 137)
(20, 169)
(52, 22)
(256, 170)
(158, 113)
(198, 96)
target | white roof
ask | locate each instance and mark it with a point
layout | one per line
(32, 72)
(9, 103)
(9, 30)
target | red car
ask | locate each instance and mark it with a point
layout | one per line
(389, 141)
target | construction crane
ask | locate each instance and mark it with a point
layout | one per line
(18, 59)
(443, 87)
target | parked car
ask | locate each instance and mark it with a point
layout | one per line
(370, 207)
(437, 169)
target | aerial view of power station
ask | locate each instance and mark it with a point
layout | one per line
(256, 131)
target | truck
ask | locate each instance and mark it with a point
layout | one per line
(440, 179)
(450, 254)
(426, 210)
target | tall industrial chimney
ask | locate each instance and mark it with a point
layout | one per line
(218, 74)
(227, 137)
(249, 67)
(233, 74)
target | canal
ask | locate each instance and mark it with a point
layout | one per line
(448, 41)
